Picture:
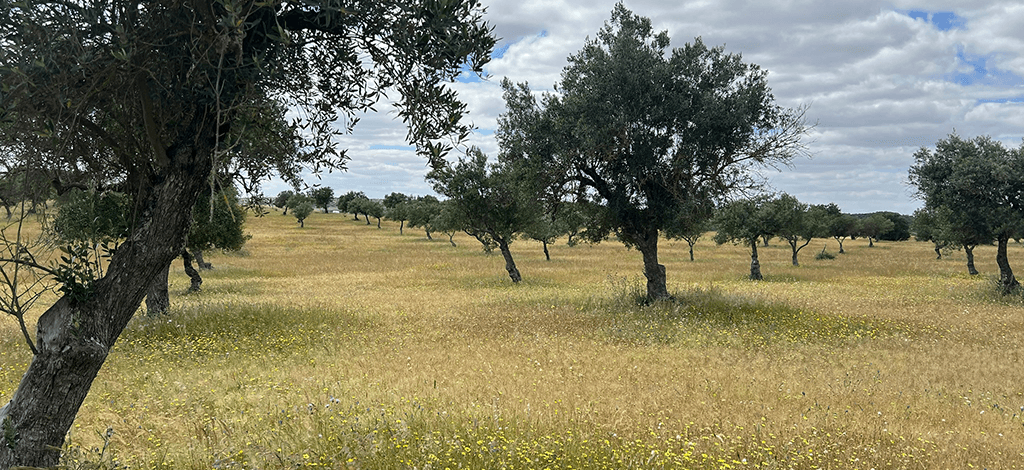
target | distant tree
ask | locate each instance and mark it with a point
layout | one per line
(793, 224)
(837, 225)
(873, 226)
(322, 197)
(926, 228)
(345, 199)
(301, 206)
(217, 223)
(282, 200)
(745, 221)
(396, 208)
(422, 213)
(649, 136)
(448, 221)
(489, 200)
(693, 235)
(371, 208)
(977, 186)
(544, 229)
(900, 227)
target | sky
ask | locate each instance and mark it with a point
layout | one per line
(881, 79)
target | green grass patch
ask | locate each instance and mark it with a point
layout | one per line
(703, 317)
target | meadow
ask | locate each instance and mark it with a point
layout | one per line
(345, 346)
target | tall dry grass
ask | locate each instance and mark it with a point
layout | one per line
(345, 346)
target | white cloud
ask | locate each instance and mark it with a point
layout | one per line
(880, 83)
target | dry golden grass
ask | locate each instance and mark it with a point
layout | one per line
(351, 347)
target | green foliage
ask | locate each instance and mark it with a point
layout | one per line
(824, 255)
(218, 222)
(91, 217)
(744, 221)
(301, 206)
(282, 198)
(322, 197)
(423, 212)
(347, 202)
(874, 226)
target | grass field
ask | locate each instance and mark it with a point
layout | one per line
(343, 346)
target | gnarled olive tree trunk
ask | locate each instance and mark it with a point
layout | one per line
(75, 335)
(969, 250)
(1006, 280)
(755, 265)
(510, 264)
(647, 244)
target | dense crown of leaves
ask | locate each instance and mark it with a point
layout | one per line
(654, 137)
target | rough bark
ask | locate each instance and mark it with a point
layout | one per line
(157, 298)
(647, 244)
(755, 265)
(196, 280)
(1006, 280)
(75, 335)
(969, 250)
(510, 264)
(200, 262)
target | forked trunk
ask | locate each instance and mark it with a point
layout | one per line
(1006, 280)
(196, 284)
(840, 240)
(755, 265)
(969, 250)
(796, 249)
(75, 335)
(157, 298)
(657, 288)
(510, 264)
(691, 251)
(451, 238)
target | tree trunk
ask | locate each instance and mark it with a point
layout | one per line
(871, 242)
(766, 238)
(157, 298)
(840, 240)
(367, 217)
(755, 265)
(428, 235)
(75, 335)
(938, 250)
(197, 280)
(657, 288)
(547, 256)
(200, 263)
(401, 227)
(451, 238)
(510, 264)
(691, 251)
(378, 222)
(969, 249)
(1006, 280)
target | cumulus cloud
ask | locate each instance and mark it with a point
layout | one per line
(882, 79)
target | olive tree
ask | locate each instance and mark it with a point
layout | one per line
(322, 197)
(978, 186)
(489, 200)
(650, 135)
(145, 96)
(745, 221)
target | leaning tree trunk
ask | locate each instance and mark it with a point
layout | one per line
(969, 249)
(401, 227)
(1006, 280)
(157, 298)
(755, 265)
(193, 275)
(76, 333)
(200, 263)
(510, 264)
(647, 244)
(547, 256)
(871, 242)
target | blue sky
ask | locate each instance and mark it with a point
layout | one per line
(882, 79)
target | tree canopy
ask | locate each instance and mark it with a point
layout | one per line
(153, 99)
(650, 137)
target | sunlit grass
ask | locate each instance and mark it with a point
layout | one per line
(344, 346)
